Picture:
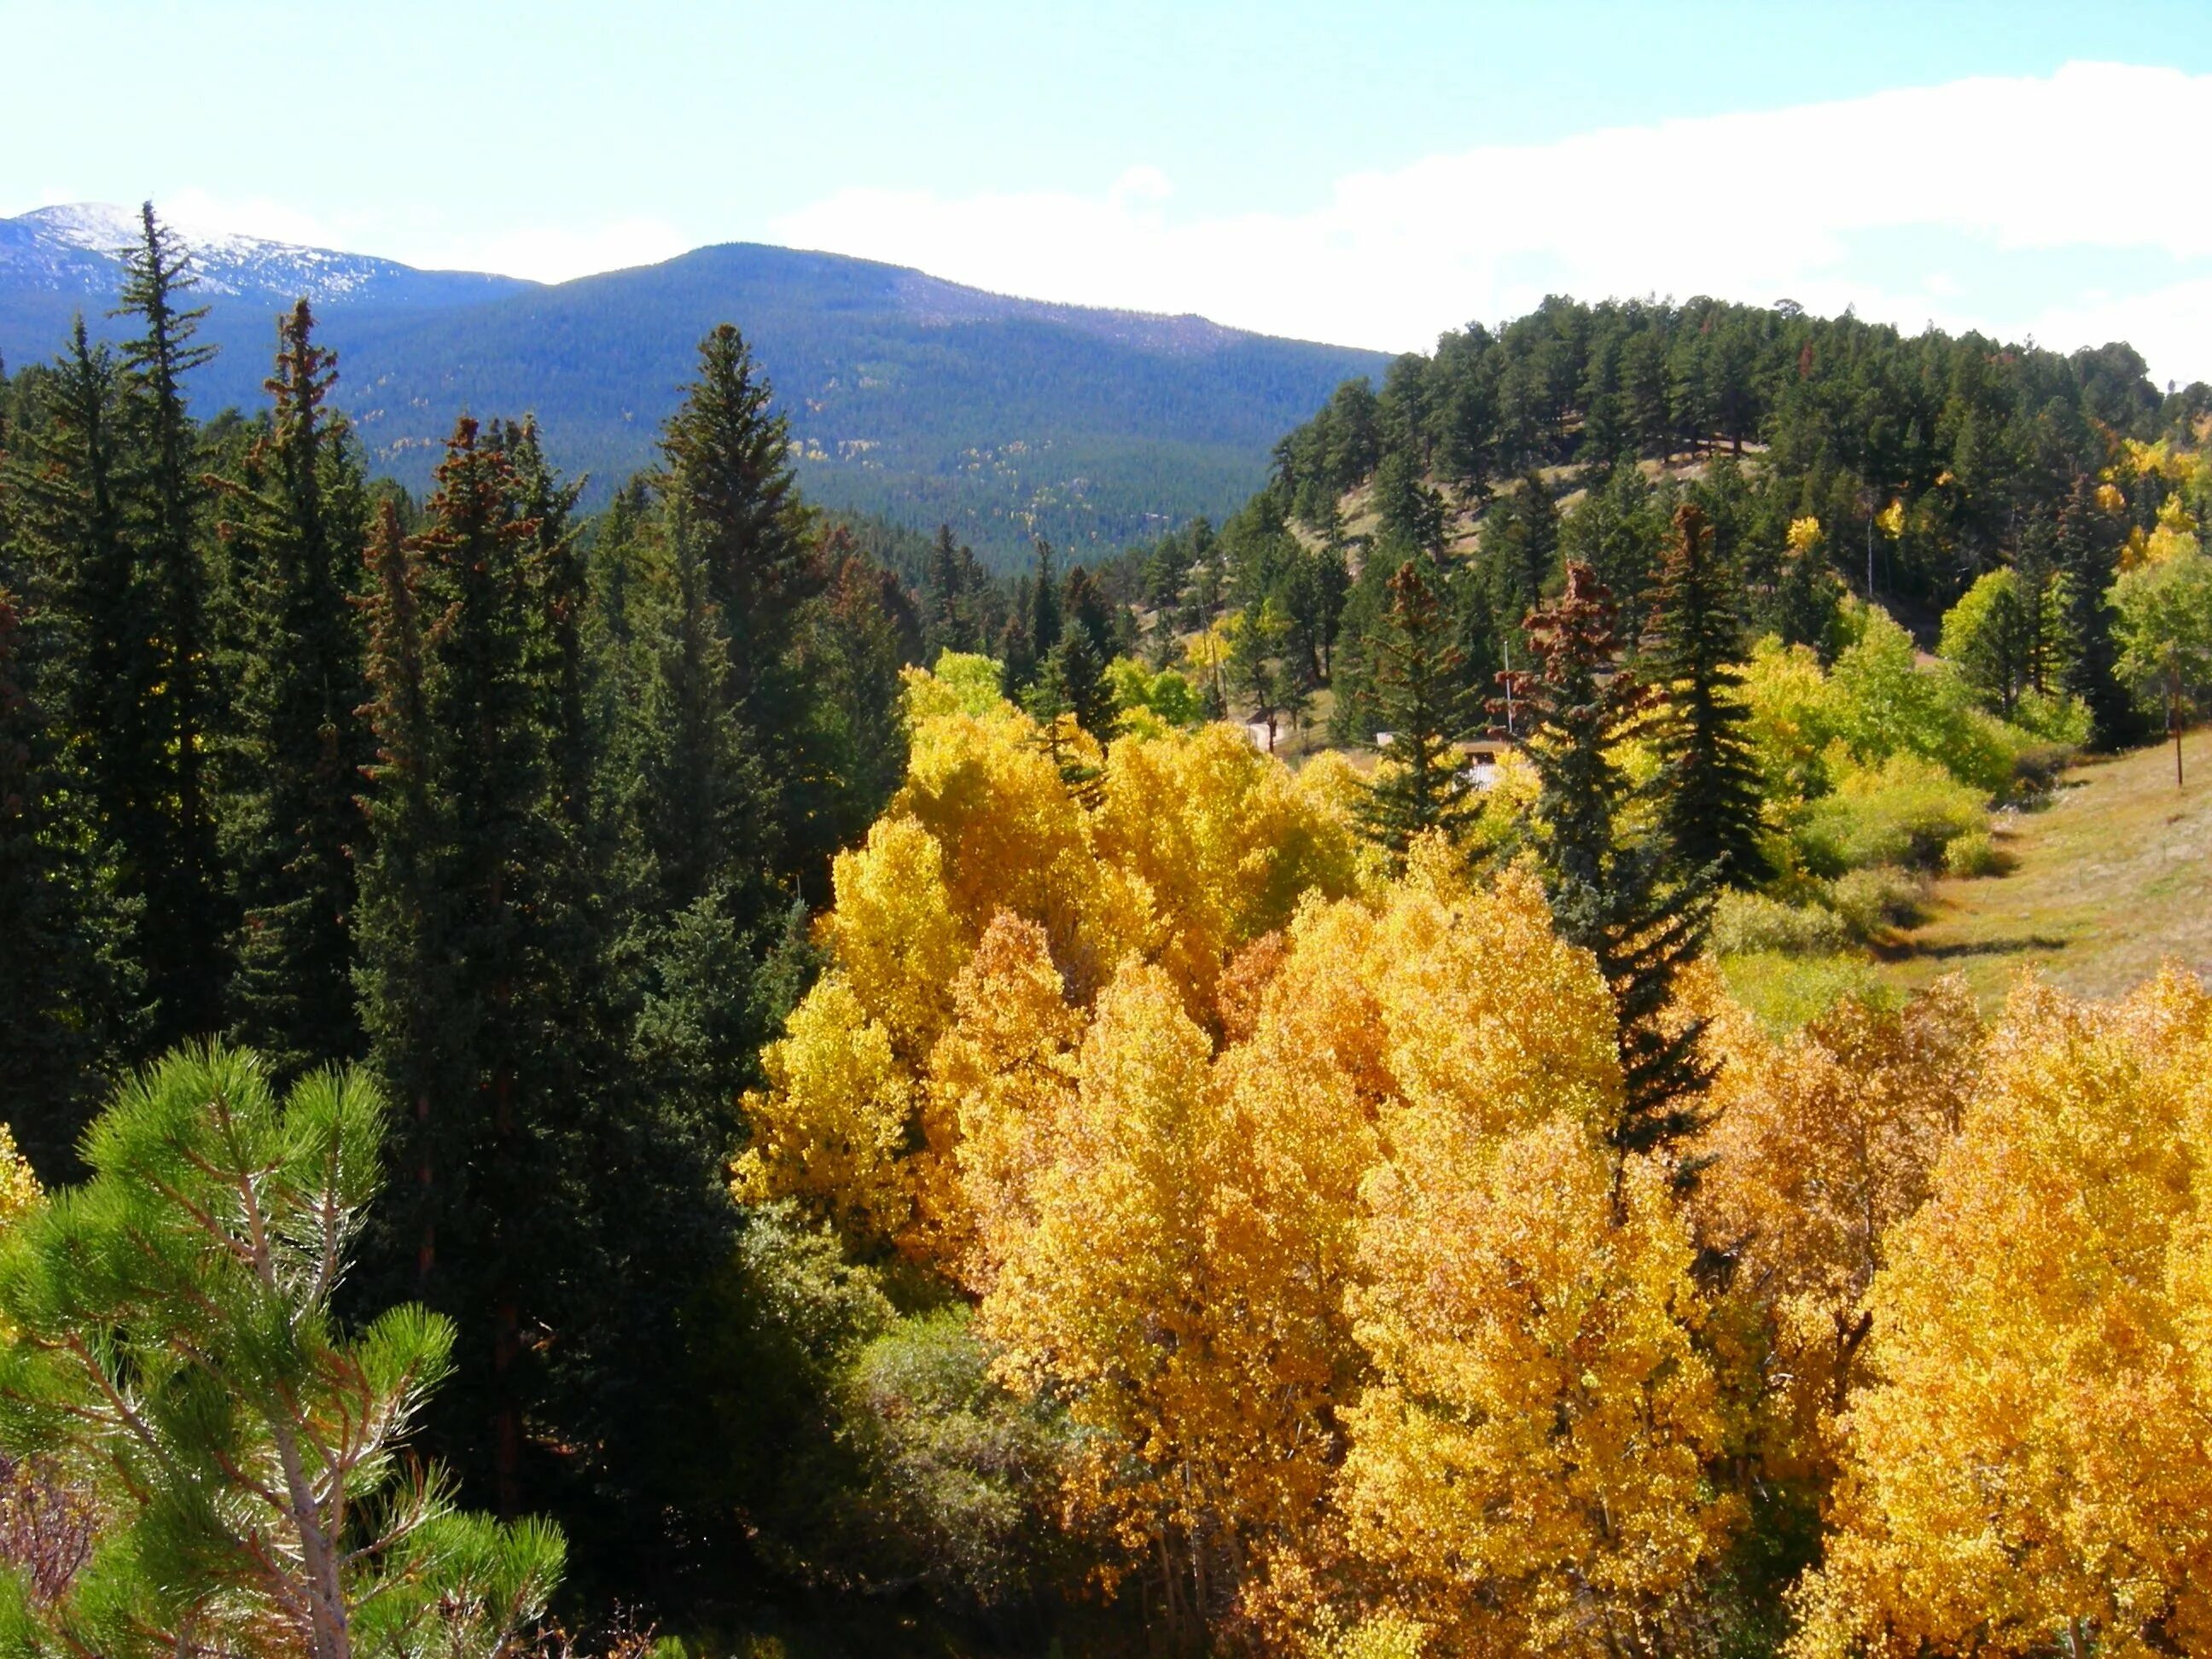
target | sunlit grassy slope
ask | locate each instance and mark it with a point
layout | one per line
(2110, 878)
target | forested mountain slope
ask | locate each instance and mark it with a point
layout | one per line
(914, 399)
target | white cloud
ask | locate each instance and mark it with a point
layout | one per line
(1748, 206)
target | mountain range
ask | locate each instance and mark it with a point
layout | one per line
(916, 399)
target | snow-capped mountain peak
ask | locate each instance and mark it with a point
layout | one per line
(78, 248)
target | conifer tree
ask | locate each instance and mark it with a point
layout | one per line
(2087, 545)
(296, 525)
(1422, 785)
(1610, 894)
(68, 477)
(480, 1066)
(67, 975)
(1044, 608)
(176, 1341)
(1712, 791)
(727, 461)
(699, 803)
(950, 583)
(185, 923)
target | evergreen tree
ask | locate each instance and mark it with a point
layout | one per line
(485, 1070)
(699, 806)
(951, 582)
(1533, 540)
(185, 924)
(728, 463)
(1044, 608)
(97, 691)
(1711, 791)
(2087, 545)
(177, 1342)
(295, 525)
(67, 975)
(1422, 700)
(1609, 893)
(1018, 654)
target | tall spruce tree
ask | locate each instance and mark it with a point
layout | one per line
(1423, 703)
(1711, 791)
(726, 460)
(483, 1068)
(2088, 546)
(67, 974)
(296, 523)
(186, 920)
(92, 651)
(1611, 892)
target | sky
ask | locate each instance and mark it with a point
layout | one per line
(1368, 175)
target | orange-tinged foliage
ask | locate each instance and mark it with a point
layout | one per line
(2028, 1469)
(1199, 846)
(1529, 1472)
(1819, 1144)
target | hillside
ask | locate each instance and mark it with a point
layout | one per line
(917, 399)
(2103, 884)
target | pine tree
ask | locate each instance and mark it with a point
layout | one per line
(1044, 608)
(66, 977)
(98, 692)
(246, 1445)
(727, 459)
(479, 1065)
(2088, 558)
(728, 463)
(297, 527)
(1711, 791)
(1610, 895)
(699, 807)
(949, 584)
(185, 924)
(1018, 654)
(1422, 785)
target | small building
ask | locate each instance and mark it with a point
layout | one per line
(1480, 757)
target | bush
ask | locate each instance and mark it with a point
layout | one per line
(1750, 924)
(1868, 902)
(2060, 722)
(1785, 992)
(1972, 854)
(1907, 814)
(961, 1474)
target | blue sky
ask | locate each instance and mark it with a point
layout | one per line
(1369, 174)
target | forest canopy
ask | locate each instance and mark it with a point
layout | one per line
(717, 1074)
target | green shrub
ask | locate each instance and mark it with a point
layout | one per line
(1972, 854)
(1750, 924)
(1868, 902)
(1785, 992)
(1906, 813)
(2062, 721)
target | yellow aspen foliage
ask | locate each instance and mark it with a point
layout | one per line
(2028, 1469)
(1223, 840)
(895, 935)
(1817, 1146)
(999, 1082)
(831, 1129)
(19, 1188)
(1487, 1016)
(1175, 1277)
(1529, 1472)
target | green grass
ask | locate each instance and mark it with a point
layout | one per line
(2110, 879)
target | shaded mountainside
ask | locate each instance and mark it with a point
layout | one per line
(914, 399)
